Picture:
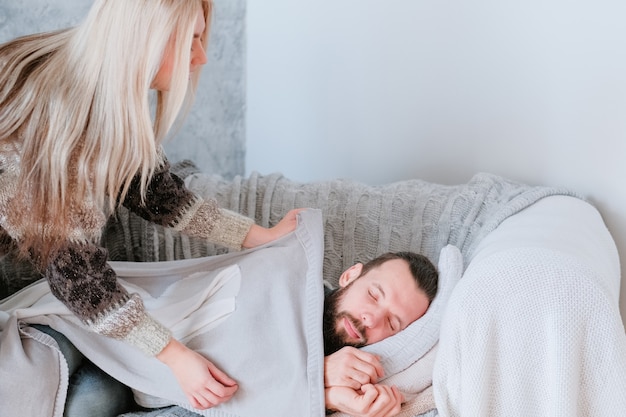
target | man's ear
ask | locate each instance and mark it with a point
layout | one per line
(350, 274)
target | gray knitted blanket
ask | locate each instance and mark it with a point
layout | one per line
(360, 221)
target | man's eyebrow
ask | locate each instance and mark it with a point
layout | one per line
(382, 292)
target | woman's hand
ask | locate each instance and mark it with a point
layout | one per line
(202, 382)
(259, 235)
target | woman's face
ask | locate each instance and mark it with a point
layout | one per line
(198, 57)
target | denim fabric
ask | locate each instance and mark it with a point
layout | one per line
(91, 391)
(94, 393)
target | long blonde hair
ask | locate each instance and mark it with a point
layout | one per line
(77, 103)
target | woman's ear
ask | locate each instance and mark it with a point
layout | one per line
(350, 274)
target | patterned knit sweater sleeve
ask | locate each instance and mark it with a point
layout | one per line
(82, 279)
(169, 203)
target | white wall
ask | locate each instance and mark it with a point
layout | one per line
(377, 91)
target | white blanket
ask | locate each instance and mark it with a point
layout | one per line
(533, 327)
(271, 343)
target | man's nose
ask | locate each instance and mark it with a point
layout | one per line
(371, 318)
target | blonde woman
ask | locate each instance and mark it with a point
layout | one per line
(78, 137)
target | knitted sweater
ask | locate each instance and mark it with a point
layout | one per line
(80, 276)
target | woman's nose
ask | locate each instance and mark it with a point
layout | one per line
(199, 57)
(202, 58)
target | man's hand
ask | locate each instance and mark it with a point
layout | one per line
(372, 400)
(202, 382)
(352, 368)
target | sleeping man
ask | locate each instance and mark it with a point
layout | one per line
(375, 300)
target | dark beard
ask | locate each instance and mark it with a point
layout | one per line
(333, 341)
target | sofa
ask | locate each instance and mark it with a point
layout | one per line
(527, 320)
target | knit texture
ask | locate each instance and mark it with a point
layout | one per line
(360, 221)
(549, 343)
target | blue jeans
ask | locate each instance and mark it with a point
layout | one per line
(91, 392)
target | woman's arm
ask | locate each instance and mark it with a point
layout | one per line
(81, 278)
(170, 203)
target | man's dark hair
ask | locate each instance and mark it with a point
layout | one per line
(422, 269)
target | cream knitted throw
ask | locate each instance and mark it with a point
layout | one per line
(533, 327)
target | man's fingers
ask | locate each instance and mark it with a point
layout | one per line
(351, 367)
(368, 363)
(398, 394)
(372, 371)
(387, 401)
(363, 355)
(369, 393)
(363, 367)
